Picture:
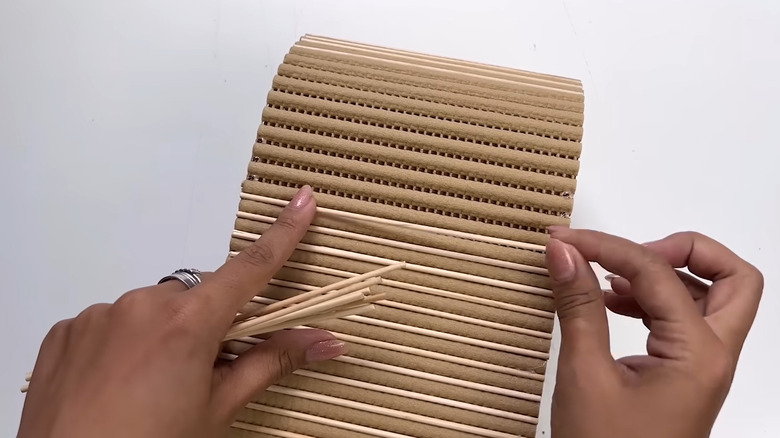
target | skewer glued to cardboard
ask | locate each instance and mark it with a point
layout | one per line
(351, 296)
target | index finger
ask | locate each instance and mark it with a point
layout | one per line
(654, 284)
(733, 297)
(239, 279)
(703, 256)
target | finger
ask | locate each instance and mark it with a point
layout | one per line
(703, 256)
(580, 308)
(733, 298)
(236, 383)
(696, 288)
(619, 285)
(654, 284)
(624, 305)
(242, 277)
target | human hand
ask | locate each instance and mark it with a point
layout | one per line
(145, 365)
(696, 333)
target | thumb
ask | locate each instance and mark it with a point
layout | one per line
(264, 364)
(579, 303)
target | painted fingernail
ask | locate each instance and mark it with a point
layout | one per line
(560, 261)
(302, 197)
(554, 229)
(325, 350)
(610, 277)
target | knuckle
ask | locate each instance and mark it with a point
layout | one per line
(178, 315)
(131, 300)
(89, 315)
(757, 278)
(259, 254)
(285, 364)
(58, 329)
(576, 302)
(287, 222)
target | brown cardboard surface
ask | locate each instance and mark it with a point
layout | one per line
(445, 143)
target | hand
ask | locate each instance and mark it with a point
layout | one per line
(145, 365)
(696, 334)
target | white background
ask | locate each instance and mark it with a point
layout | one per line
(126, 128)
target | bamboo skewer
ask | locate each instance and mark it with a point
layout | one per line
(405, 245)
(411, 373)
(423, 289)
(267, 430)
(337, 285)
(427, 311)
(468, 320)
(432, 333)
(556, 80)
(428, 354)
(295, 303)
(410, 266)
(326, 421)
(450, 337)
(417, 396)
(389, 412)
(541, 88)
(439, 378)
(302, 322)
(435, 230)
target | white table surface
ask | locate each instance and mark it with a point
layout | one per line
(126, 128)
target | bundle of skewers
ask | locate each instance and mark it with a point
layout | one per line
(351, 296)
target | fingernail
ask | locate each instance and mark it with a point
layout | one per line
(325, 350)
(555, 229)
(610, 277)
(302, 197)
(560, 261)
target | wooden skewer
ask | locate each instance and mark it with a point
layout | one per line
(338, 285)
(342, 302)
(429, 354)
(331, 301)
(295, 303)
(409, 394)
(572, 93)
(443, 335)
(448, 61)
(468, 320)
(301, 322)
(414, 373)
(410, 266)
(389, 412)
(326, 421)
(405, 245)
(450, 337)
(425, 289)
(439, 378)
(416, 396)
(442, 231)
(267, 430)
(426, 311)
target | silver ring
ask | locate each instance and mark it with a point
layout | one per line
(190, 277)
